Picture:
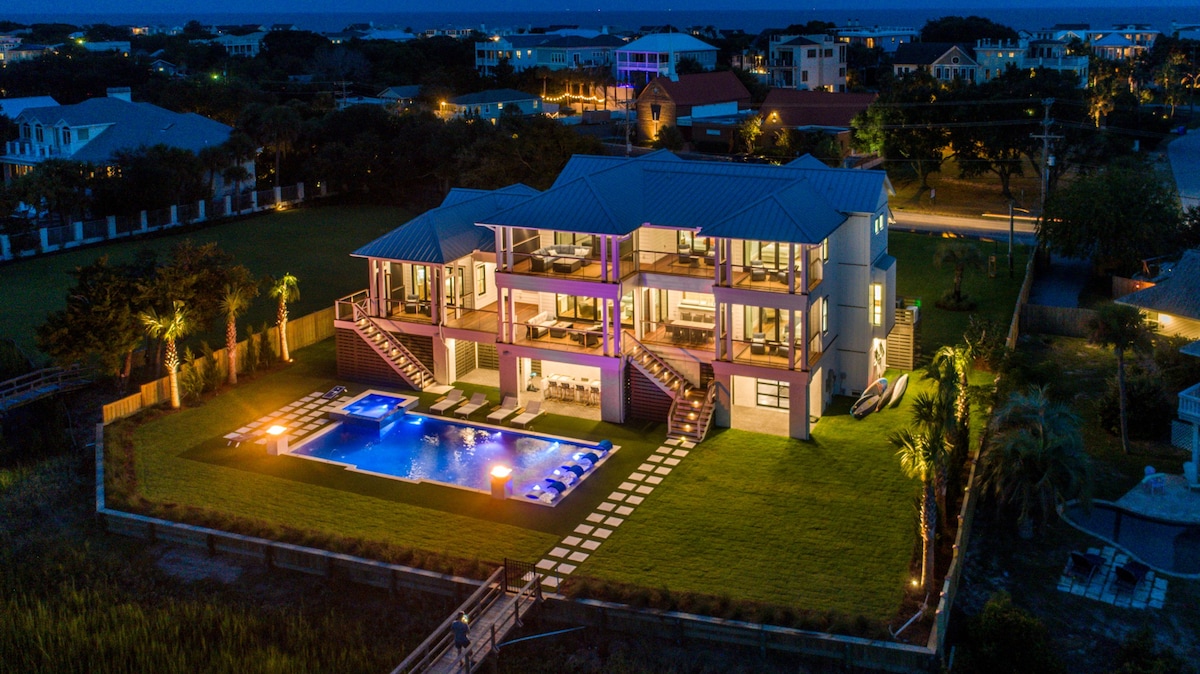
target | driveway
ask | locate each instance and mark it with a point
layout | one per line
(1184, 153)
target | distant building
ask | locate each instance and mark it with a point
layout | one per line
(120, 47)
(887, 38)
(1025, 54)
(573, 51)
(1124, 42)
(24, 52)
(659, 55)
(240, 45)
(519, 51)
(491, 105)
(813, 62)
(665, 102)
(944, 60)
(813, 111)
(12, 107)
(96, 129)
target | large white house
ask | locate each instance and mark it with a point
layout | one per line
(650, 288)
(658, 55)
(807, 62)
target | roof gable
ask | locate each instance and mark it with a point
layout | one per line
(1176, 294)
(701, 88)
(924, 53)
(666, 42)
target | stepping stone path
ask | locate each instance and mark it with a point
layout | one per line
(586, 538)
(1151, 592)
(301, 418)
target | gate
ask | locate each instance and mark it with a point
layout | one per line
(517, 574)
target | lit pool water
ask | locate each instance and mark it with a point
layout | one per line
(420, 448)
(1172, 547)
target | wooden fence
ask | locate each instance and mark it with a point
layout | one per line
(1014, 327)
(825, 650)
(1064, 321)
(303, 331)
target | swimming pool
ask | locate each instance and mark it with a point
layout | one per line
(1170, 547)
(420, 448)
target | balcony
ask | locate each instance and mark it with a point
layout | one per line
(1189, 404)
(25, 149)
(581, 267)
(764, 353)
(680, 261)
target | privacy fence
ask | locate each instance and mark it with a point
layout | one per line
(50, 239)
(302, 332)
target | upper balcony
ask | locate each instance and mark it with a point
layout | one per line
(28, 150)
(1189, 404)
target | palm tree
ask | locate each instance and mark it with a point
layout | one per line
(214, 159)
(934, 419)
(168, 327)
(285, 289)
(920, 455)
(279, 128)
(1123, 328)
(235, 301)
(961, 255)
(1035, 458)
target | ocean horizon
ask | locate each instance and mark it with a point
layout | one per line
(751, 20)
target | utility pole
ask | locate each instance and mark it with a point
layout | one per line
(1047, 158)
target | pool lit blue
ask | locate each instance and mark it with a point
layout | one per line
(416, 447)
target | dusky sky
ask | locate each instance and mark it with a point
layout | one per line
(409, 6)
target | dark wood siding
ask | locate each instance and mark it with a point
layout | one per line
(644, 399)
(464, 357)
(357, 361)
(489, 359)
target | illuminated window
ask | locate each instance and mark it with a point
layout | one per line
(824, 315)
(825, 250)
(771, 393)
(876, 304)
(880, 223)
(480, 279)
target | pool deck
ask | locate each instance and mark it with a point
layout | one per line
(1175, 502)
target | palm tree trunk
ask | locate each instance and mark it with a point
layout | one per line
(277, 153)
(283, 345)
(958, 279)
(126, 370)
(231, 350)
(1121, 400)
(172, 363)
(928, 524)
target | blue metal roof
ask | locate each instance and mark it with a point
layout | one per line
(448, 232)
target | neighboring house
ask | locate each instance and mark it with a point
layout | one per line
(519, 51)
(667, 290)
(403, 97)
(1172, 302)
(24, 52)
(572, 51)
(94, 130)
(389, 35)
(813, 111)
(659, 55)
(12, 107)
(247, 46)
(664, 102)
(491, 105)
(1121, 46)
(887, 38)
(167, 68)
(1029, 54)
(945, 61)
(119, 47)
(1065, 32)
(814, 62)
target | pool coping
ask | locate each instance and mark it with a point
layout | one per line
(410, 402)
(1116, 506)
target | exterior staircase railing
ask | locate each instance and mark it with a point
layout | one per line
(40, 384)
(691, 416)
(656, 369)
(393, 350)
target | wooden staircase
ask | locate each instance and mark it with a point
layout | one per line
(692, 407)
(394, 352)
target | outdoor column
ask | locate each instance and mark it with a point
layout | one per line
(299, 192)
(44, 236)
(278, 195)
(78, 233)
(253, 200)
(605, 328)
(5, 251)
(603, 242)
(200, 208)
(112, 226)
(144, 222)
(228, 205)
(174, 214)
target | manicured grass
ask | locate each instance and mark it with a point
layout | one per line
(826, 524)
(917, 276)
(182, 459)
(312, 243)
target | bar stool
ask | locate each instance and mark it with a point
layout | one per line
(581, 394)
(552, 389)
(594, 393)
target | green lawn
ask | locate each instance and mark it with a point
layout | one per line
(312, 243)
(916, 276)
(826, 524)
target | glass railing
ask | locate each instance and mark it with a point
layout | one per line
(680, 261)
(483, 320)
(762, 351)
(764, 278)
(558, 265)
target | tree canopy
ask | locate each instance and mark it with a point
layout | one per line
(965, 30)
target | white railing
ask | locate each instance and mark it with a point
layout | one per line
(1189, 404)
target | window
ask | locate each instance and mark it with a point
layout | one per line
(825, 250)
(803, 75)
(880, 223)
(824, 315)
(40, 137)
(771, 393)
(876, 304)
(66, 136)
(572, 307)
(812, 53)
(480, 279)
(828, 53)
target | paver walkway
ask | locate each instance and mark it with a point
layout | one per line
(1151, 592)
(574, 549)
(301, 418)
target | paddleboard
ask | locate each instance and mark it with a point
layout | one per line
(864, 406)
(886, 396)
(898, 391)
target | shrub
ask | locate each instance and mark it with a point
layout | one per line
(1139, 653)
(950, 303)
(1178, 371)
(191, 376)
(1147, 405)
(250, 362)
(266, 349)
(1005, 639)
(986, 336)
(213, 371)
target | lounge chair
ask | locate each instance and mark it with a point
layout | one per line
(532, 411)
(1129, 575)
(454, 397)
(507, 408)
(476, 403)
(758, 344)
(1083, 565)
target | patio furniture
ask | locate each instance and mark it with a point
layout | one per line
(333, 392)
(1155, 483)
(507, 408)
(757, 271)
(559, 329)
(532, 411)
(1128, 575)
(412, 304)
(758, 344)
(1083, 565)
(685, 255)
(454, 397)
(540, 324)
(567, 265)
(477, 402)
